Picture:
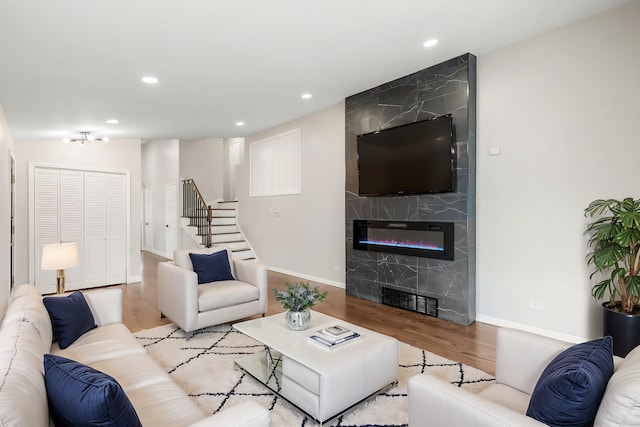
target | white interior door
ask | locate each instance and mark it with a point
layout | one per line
(171, 218)
(148, 219)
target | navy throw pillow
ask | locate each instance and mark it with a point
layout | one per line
(211, 267)
(70, 317)
(79, 395)
(569, 391)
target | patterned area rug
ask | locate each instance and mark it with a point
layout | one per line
(204, 367)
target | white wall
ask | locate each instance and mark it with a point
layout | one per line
(169, 162)
(563, 107)
(119, 155)
(160, 167)
(203, 161)
(302, 233)
(231, 174)
(6, 150)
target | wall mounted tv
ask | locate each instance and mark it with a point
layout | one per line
(415, 158)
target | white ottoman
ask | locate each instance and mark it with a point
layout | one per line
(365, 367)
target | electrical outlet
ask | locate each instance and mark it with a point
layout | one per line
(536, 305)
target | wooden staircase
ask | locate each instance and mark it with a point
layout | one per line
(224, 228)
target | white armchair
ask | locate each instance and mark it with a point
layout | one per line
(193, 306)
(520, 359)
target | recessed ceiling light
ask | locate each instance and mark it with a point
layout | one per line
(239, 123)
(112, 122)
(150, 80)
(430, 43)
(306, 96)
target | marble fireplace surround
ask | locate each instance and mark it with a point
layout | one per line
(446, 88)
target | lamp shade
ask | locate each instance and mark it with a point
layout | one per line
(58, 256)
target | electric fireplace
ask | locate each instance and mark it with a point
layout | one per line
(423, 239)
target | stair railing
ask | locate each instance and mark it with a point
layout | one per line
(196, 209)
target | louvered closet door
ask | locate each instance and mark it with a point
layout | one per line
(46, 223)
(71, 221)
(115, 229)
(95, 250)
(105, 229)
(58, 218)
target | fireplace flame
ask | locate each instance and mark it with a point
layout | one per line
(404, 244)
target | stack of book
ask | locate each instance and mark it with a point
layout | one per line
(333, 336)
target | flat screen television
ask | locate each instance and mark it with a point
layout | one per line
(416, 158)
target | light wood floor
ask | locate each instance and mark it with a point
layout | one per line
(472, 345)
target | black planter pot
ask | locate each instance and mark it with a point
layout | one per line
(623, 328)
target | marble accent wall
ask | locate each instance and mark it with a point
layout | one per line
(446, 88)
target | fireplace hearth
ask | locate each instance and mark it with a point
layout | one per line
(422, 239)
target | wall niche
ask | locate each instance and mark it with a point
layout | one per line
(446, 88)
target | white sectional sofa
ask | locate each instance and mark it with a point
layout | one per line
(26, 336)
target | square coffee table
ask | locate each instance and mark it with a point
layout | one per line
(320, 382)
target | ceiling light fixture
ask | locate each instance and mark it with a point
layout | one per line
(239, 123)
(150, 80)
(306, 96)
(430, 43)
(85, 137)
(112, 122)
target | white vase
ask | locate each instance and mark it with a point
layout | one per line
(298, 320)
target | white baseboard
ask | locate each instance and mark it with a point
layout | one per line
(134, 279)
(307, 277)
(540, 331)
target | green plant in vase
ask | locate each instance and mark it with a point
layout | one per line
(298, 298)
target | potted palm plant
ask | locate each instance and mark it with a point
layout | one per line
(614, 253)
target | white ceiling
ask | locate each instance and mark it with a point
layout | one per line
(68, 65)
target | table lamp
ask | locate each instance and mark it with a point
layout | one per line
(58, 256)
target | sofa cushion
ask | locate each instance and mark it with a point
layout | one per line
(106, 342)
(70, 316)
(23, 398)
(620, 405)
(211, 267)
(24, 289)
(29, 308)
(212, 296)
(164, 403)
(570, 388)
(81, 395)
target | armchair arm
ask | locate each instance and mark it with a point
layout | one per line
(246, 414)
(178, 295)
(522, 356)
(434, 402)
(256, 274)
(105, 305)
